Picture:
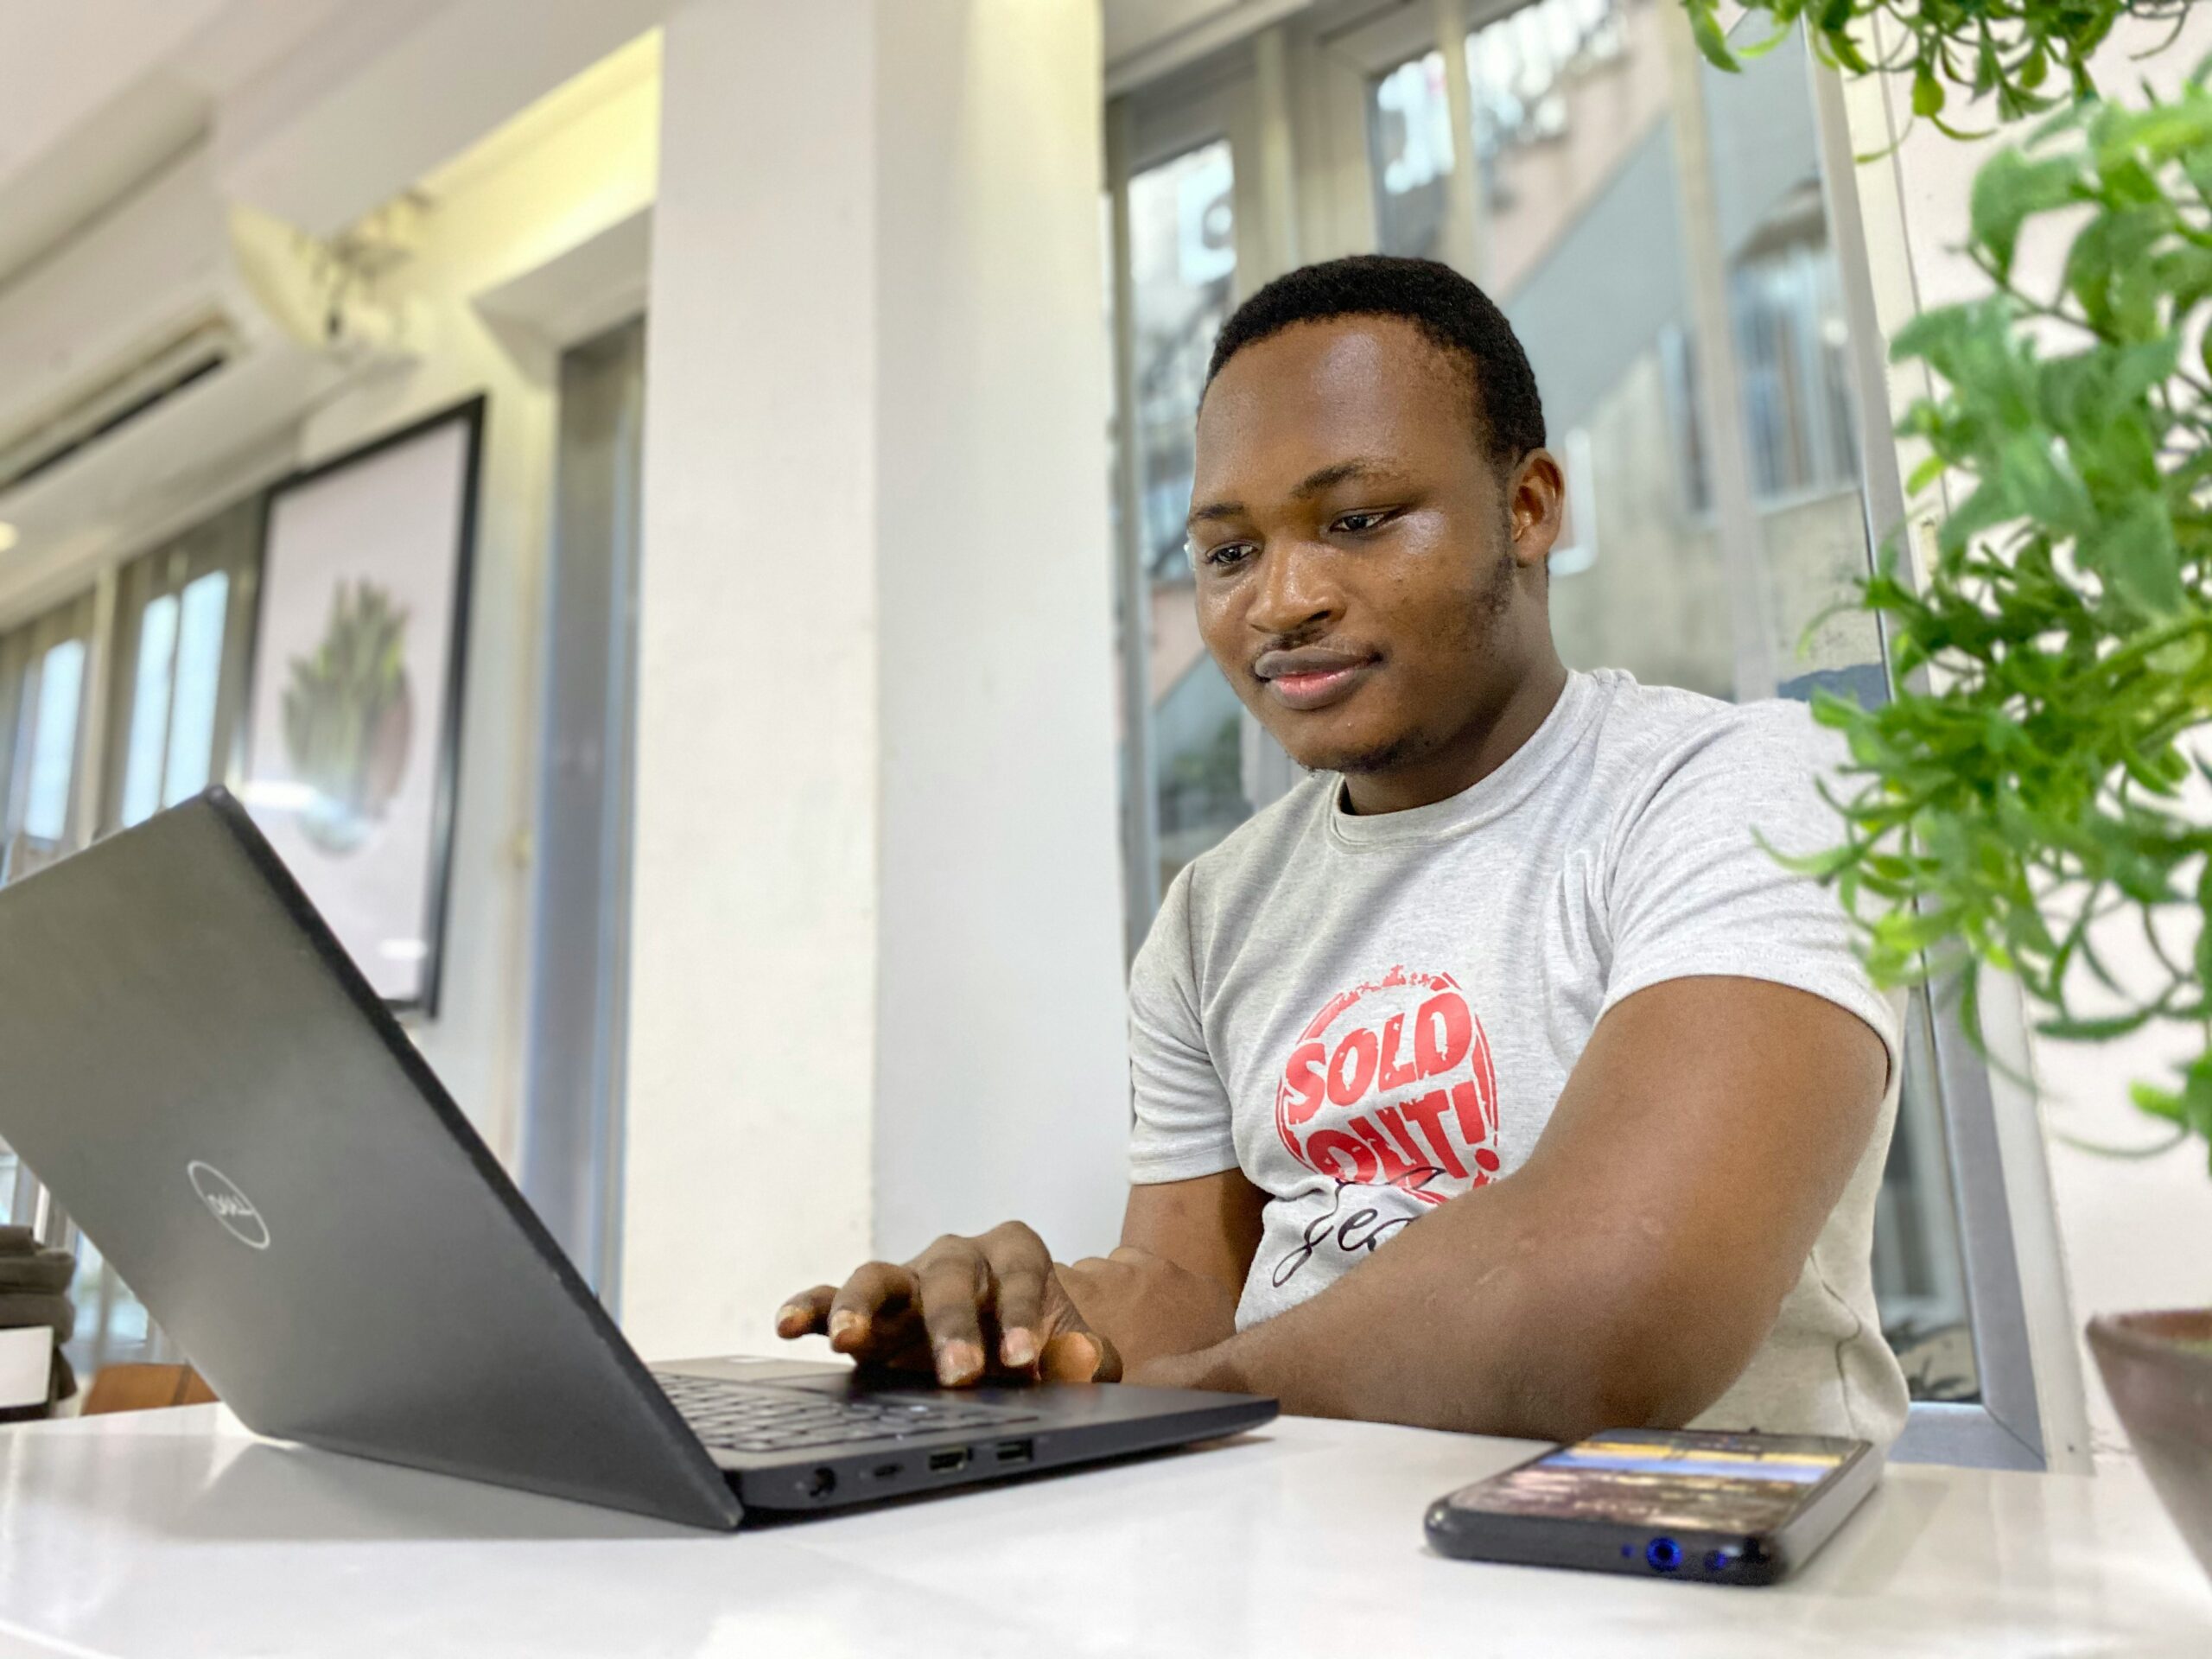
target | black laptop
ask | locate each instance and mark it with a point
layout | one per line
(210, 1088)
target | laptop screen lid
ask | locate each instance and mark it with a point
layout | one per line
(212, 1091)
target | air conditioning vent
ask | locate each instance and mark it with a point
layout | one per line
(189, 355)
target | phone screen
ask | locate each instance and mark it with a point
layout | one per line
(1735, 1484)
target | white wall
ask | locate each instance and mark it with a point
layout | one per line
(2134, 1234)
(1003, 1086)
(875, 967)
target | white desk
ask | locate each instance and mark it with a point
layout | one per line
(176, 1533)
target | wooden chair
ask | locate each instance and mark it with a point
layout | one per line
(145, 1388)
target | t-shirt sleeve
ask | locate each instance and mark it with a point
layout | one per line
(1693, 892)
(1181, 1129)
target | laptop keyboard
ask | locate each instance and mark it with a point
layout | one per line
(749, 1417)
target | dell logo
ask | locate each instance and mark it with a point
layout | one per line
(228, 1205)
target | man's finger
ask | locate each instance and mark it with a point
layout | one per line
(1020, 1263)
(807, 1313)
(878, 1288)
(1079, 1356)
(955, 1285)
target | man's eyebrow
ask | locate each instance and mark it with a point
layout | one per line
(1314, 484)
(1344, 472)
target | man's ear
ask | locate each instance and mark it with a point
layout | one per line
(1535, 502)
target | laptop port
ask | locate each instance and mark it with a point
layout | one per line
(1016, 1451)
(887, 1470)
(822, 1483)
(945, 1462)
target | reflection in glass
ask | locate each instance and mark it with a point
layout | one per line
(53, 743)
(150, 710)
(1541, 89)
(1183, 267)
(198, 679)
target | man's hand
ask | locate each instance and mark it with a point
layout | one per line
(1148, 1305)
(969, 1310)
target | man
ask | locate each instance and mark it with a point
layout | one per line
(1497, 1079)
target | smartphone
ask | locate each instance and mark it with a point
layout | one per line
(1689, 1504)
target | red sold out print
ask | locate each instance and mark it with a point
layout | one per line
(1401, 1093)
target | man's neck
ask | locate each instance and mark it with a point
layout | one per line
(1476, 751)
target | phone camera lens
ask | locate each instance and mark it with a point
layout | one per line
(1664, 1555)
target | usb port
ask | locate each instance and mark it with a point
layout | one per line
(943, 1462)
(1016, 1451)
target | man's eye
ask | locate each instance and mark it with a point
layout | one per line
(1357, 524)
(1223, 557)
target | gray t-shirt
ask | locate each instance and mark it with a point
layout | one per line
(1371, 1015)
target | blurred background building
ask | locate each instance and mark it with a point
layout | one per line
(831, 712)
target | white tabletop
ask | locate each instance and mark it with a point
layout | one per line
(176, 1533)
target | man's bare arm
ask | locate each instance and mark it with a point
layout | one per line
(1172, 1289)
(1209, 1226)
(1627, 1272)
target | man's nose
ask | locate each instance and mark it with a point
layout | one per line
(1295, 594)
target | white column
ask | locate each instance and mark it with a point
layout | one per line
(875, 988)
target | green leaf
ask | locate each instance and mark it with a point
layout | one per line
(2138, 553)
(2009, 190)
(1926, 93)
(2095, 1031)
(1704, 28)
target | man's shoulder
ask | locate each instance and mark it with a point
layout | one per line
(1648, 735)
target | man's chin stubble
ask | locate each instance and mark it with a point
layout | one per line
(1358, 762)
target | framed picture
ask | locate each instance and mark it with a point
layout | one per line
(353, 728)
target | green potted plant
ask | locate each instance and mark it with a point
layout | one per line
(2038, 774)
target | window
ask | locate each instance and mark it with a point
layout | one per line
(183, 641)
(42, 694)
(1707, 537)
(572, 1125)
(178, 654)
(1182, 253)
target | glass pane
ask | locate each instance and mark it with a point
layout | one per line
(198, 679)
(1410, 129)
(1183, 267)
(1797, 401)
(113, 1326)
(150, 710)
(53, 742)
(1571, 109)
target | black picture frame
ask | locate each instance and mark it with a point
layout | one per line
(447, 721)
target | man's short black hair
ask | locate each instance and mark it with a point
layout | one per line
(1455, 316)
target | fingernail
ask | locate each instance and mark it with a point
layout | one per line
(1018, 1349)
(845, 1324)
(958, 1362)
(790, 1313)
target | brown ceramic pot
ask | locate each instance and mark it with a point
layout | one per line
(2158, 1368)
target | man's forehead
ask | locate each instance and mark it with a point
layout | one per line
(1321, 394)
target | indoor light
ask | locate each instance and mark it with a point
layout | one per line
(8, 537)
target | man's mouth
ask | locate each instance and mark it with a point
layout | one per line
(1312, 678)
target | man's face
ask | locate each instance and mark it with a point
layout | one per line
(1368, 576)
